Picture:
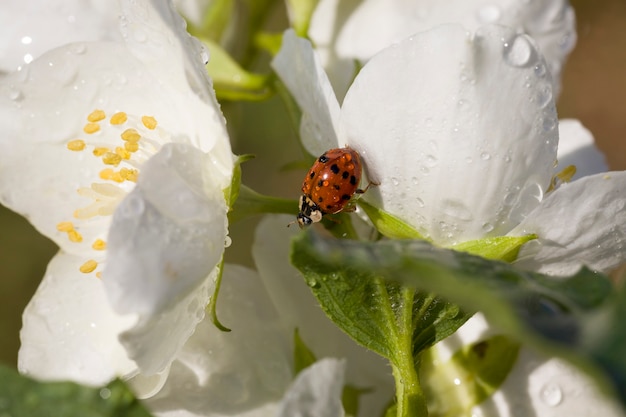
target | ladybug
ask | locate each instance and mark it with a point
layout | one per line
(329, 185)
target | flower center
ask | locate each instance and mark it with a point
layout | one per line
(135, 140)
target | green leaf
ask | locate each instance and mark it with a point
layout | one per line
(23, 396)
(579, 317)
(472, 374)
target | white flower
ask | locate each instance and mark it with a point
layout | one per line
(460, 130)
(345, 31)
(118, 152)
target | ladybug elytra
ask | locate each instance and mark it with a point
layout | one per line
(329, 185)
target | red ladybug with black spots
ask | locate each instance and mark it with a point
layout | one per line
(329, 185)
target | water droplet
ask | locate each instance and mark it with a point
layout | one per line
(485, 156)
(312, 282)
(507, 158)
(544, 97)
(105, 393)
(489, 14)
(488, 227)
(420, 202)
(78, 48)
(414, 180)
(431, 160)
(469, 160)
(63, 71)
(549, 123)
(551, 394)
(227, 241)
(15, 94)
(133, 206)
(204, 55)
(519, 52)
(457, 210)
(540, 70)
(394, 181)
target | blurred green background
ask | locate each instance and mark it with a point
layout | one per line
(594, 91)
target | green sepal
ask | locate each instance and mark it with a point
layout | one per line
(23, 396)
(250, 203)
(303, 357)
(269, 42)
(469, 377)
(499, 248)
(387, 224)
(232, 192)
(301, 13)
(230, 80)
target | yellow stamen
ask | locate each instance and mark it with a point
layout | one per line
(129, 174)
(88, 266)
(65, 227)
(131, 146)
(101, 151)
(119, 118)
(131, 135)
(74, 236)
(107, 173)
(91, 128)
(76, 145)
(99, 244)
(111, 158)
(149, 122)
(123, 153)
(562, 177)
(96, 116)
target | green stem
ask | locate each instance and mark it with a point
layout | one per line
(212, 307)
(409, 395)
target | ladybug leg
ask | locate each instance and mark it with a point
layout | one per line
(369, 184)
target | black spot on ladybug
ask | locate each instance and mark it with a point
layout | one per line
(328, 207)
(320, 183)
(353, 180)
(323, 159)
(320, 199)
(345, 197)
(337, 187)
(345, 174)
(334, 168)
(311, 175)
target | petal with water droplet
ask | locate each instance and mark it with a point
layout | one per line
(580, 223)
(499, 137)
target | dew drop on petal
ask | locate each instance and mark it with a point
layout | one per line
(105, 393)
(488, 14)
(78, 48)
(395, 181)
(540, 70)
(544, 97)
(551, 394)
(15, 94)
(485, 156)
(457, 210)
(227, 241)
(549, 123)
(420, 202)
(488, 227)
(133, 206)
(518, 52)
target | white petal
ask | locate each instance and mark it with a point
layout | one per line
(377, 24)
(31, 27)
(539, 386)
(166, 238)
(581, 223)
(316, 391)
(70, 331)
(459, 131)
(243, 372)
(300, 70)
(298, 308)
(577, 147)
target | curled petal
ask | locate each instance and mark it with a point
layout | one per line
(69, 330)
(300, 69)
(167, 236)
(316, 392)
(580, 223)
(224, 373)
(466, 115)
